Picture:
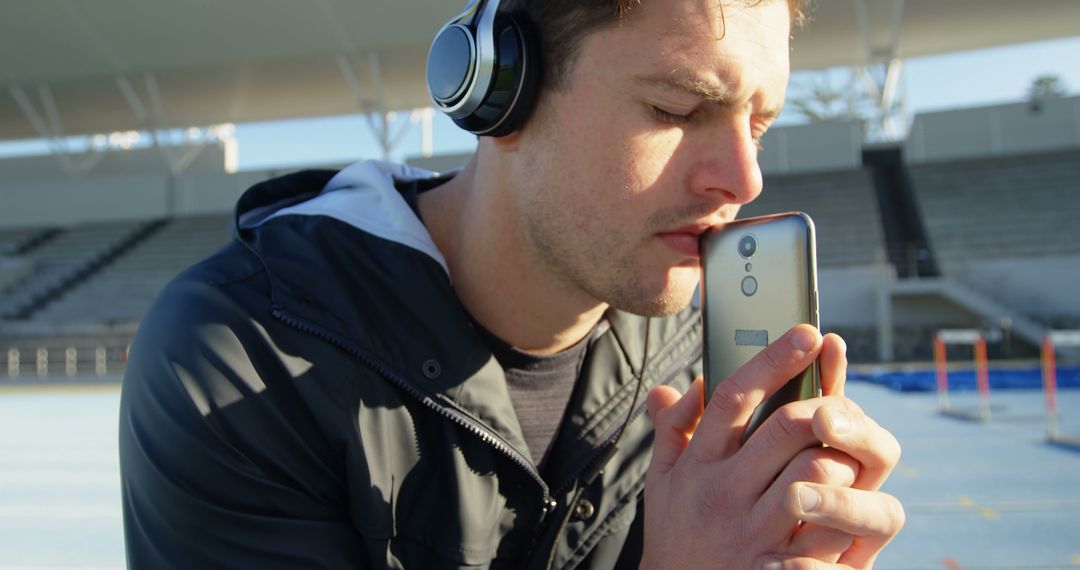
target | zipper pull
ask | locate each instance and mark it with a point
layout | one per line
(549, 505)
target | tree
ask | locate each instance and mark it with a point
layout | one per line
(818, 100)
(1046, 87)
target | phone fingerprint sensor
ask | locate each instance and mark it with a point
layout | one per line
(745, 337)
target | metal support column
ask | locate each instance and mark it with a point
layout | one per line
(373, 105)
(156, 122)
(51, 129)
(882, 71)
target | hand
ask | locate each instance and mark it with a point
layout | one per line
(711, 504)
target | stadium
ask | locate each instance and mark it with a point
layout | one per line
(961, 220)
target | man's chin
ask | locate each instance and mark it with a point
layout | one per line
(667, 302)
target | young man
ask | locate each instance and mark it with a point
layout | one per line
(389, 369)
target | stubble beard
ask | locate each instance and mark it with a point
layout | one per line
(586, 263)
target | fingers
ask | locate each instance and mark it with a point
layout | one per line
(675, 418)
(874, 518)
(732, 403)
(848, 429)
(819, 465)
(820, 542)
(797, 563)
(784, 435)
(833, 365)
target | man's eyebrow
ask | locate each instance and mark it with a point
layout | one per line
(709, 91)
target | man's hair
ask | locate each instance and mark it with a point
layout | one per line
(563, 24)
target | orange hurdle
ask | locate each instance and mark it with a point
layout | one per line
(977, 341)
(1050, 343)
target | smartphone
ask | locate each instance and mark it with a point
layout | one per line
(759, 279)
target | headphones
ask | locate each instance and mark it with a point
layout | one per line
(483, 70)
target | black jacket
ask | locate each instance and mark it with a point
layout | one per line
(313, 396)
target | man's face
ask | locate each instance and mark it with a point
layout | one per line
(652, 140)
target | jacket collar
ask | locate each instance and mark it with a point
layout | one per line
(345, 254)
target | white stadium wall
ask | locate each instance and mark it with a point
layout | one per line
(1000, 130)
(199, 194)
(91, 199)
(848, 296)
(811, 148)
(793, 149)
(126, 185)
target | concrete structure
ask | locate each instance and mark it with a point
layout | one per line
(126, 185)
(1000, 130)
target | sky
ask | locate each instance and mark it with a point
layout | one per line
(989, 76)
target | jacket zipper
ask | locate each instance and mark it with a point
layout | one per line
(602, 453)
(454, 416)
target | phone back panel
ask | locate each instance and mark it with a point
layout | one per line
(738, 325)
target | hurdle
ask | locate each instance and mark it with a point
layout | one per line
(975, 339)
(1050, 344)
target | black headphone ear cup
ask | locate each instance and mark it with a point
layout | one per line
(514, 86)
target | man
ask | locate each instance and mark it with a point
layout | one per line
(389, 369)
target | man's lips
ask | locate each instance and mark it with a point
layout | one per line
(685, 239)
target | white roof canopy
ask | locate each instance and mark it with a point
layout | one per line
(75, 67)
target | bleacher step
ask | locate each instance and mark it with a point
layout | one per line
(73, 279)
(974, 301)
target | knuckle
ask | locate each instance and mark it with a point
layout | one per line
(851, 406)
(818, 469)
(826, 466)
(897, 516)
(881, 443)
(845, 505)
(718, 498)
(770, 359)
(891, 450)
(729, 397)
(804, 564)
(788, 422)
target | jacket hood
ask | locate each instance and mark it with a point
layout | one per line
(363, 195)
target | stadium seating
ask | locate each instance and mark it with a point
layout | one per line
(844, 209)
(12, 239)
(62, 258)
(1004, 207)
(124, 290)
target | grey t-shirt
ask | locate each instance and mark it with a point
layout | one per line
(540, 387)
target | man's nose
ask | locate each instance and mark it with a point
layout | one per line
(727, 168)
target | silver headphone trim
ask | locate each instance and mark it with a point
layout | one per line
(485, 59)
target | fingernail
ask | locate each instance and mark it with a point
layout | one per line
(808, 499)
(803, 340)
(839, 421)
(771, 564)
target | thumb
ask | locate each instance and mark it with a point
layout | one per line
(675, 417)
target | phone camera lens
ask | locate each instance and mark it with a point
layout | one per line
(747, 246)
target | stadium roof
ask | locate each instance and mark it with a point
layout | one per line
(78, 67)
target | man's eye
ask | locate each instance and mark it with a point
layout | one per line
(669, 117)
